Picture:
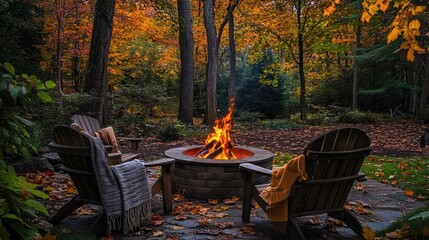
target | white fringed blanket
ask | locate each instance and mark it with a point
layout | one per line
(124, 190)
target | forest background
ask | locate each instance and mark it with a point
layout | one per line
(160, 67)
(300, 60)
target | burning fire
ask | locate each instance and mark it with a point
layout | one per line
(219, 143)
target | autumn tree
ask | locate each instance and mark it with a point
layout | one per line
(212, 61)
(96, 76)
(406, 23)
(186, 41)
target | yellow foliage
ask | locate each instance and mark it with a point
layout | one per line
(393, 35)
(404, 23)
(368, 233)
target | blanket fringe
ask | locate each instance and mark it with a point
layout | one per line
(131, 219)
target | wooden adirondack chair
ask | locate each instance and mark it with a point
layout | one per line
(73, 148)
(91, 125)
(332, 162)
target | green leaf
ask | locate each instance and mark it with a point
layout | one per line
(9, 68)
(3, 85)
(12, 216)
(26, 153)
(25, 132)
(4, 234)
(40, 86)
(24, 230)
(50, 84)
(38, 193)
(44, 96)
(36, 205)
(25, 121)
(25, 76)
(421, 216)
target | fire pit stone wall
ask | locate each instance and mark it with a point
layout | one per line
(208, 178)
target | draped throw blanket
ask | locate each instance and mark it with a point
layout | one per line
(278, 191)
(124, 190)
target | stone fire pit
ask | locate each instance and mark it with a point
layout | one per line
(209, 178)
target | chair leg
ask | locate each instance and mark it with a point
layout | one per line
(247, 196)
(293, 230)
(73, 204)
(99, 228)
(349, 219)
(167, 196)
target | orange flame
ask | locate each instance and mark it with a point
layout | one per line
(219, 143)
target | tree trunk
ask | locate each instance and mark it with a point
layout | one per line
(59, 16)
(356, 70)
(186, 41)
(96, 74)
(301, 62)
(209, 24)
(425, 87)
(232, 60)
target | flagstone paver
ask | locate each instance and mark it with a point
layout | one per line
(385, 204)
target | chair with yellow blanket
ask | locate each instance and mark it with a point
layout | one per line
(316, 182)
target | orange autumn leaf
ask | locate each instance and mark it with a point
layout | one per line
(368, 233)
(221, 208)
(156, 220)
(179, 196)
(232, 200)
(213, 201)
(409, 193)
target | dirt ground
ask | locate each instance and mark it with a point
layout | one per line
(396, 138)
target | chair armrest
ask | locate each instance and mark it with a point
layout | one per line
(252, 168)
(160, 162)
(361, 177)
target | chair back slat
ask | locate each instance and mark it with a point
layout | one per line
(336, 154)
(73, 147)
(88, 124)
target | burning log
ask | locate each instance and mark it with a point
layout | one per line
(218, 143)
(205, 149)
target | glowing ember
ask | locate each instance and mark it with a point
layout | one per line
(218, 143)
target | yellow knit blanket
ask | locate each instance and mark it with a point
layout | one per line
(279, 190)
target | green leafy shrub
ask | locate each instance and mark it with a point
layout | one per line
(247, 116)
(277, 124)
(60, 110)
(169, 131)
(357, 117)
(18, 207)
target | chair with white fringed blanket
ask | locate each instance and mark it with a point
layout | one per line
(123, 190)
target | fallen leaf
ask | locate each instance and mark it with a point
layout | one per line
(157, 233)
(176, 227)
(223, 225)
(213, 201)
(248, 229)
(204, 221)
(408, 193)
(313, 221)
(221, 208)
(368, 233)
(179, 196)
(221, 215)
(156, 220)
(231, 200)
(177, 210)
(181, 217)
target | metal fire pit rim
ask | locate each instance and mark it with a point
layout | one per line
(259, 155)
